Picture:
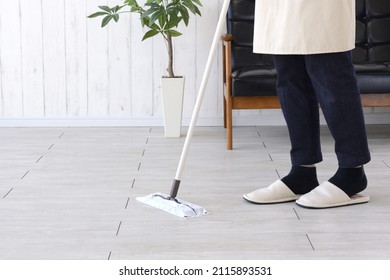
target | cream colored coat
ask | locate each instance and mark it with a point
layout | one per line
(304, 26)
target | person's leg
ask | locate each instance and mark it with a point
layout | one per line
(300, 109)
(333, 78)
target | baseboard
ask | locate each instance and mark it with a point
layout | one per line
(377, 118)
(136, 121)
(263, 120)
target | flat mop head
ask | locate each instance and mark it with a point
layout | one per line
(171, 205)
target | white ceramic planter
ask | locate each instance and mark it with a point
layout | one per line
(172, 91)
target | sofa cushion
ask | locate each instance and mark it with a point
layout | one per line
(373, 77)
(377, 8)
(254, 81)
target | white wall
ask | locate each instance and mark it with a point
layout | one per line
(59, 68)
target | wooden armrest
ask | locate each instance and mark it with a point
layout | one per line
(227, 37)
(226, 57)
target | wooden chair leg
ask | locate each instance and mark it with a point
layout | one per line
(229, 124)
(224, 112)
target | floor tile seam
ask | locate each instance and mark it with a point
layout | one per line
(139, 171)
(310, 242)
(265, 147)
(18, 181)
(301, 226)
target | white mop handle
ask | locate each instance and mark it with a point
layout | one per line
(202, 88)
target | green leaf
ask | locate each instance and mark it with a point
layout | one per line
(106, 20)
(144, 21)
(117, 8)
(159, 15)
(150, 11)
(162, 20)
(197, 11)
(192, 7)
(149, 34)
(189, 5)
(105, 8)
(185, 15)
(115, 17)
(132, 3)
(175, 33)
(97, 14)
(198, 2)
(174, 22)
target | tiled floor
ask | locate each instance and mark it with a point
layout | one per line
(69, 193)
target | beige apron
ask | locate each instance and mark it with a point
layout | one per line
(304, 26)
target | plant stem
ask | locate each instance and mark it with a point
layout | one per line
(170, 55)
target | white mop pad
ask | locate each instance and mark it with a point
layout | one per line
(175, 206)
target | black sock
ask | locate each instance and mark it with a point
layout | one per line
(301, 179)
(350, 180)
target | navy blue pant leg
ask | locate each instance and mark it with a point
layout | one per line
(300, 109)
(334, 81)
(331, 78)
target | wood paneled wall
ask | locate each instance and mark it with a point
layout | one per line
(57, 64)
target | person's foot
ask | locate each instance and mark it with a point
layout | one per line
(350, 180)
(341, 190)
(300, 180)
(328, 195)
(277, 192)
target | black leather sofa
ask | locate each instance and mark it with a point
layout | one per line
(250, 79)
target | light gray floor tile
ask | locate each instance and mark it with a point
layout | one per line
(70, 193)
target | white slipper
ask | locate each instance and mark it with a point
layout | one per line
(277, 192)
(328, 195)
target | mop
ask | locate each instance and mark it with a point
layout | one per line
(170, 203)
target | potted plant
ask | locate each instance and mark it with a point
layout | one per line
(160, 17)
